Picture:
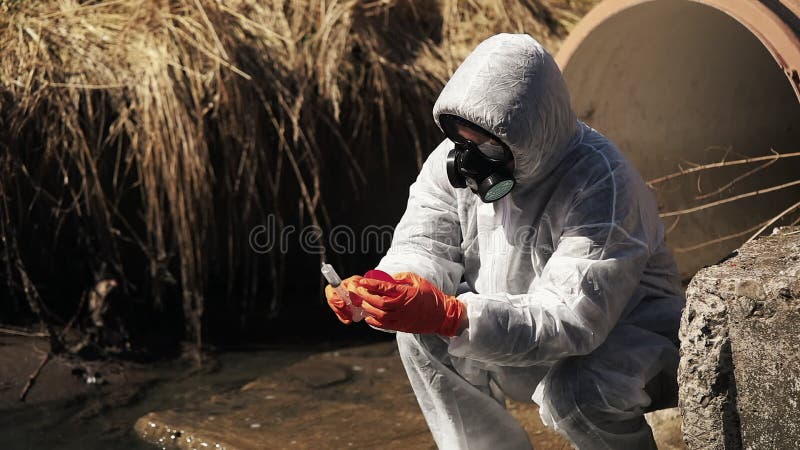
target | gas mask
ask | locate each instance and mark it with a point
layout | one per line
(478, 161)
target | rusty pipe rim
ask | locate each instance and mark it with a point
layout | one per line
(777, 27)
(669, 81)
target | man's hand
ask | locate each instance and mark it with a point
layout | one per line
(412, 304)
(338, 305)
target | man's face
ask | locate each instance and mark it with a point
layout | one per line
(486, 144)
(472, 135)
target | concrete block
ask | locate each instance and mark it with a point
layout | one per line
(739, 373)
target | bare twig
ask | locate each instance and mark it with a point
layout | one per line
(35, 302)
(22, 333)
(74, 317)
(730, 199)
(673, 225)
(12, 258)
(760, 227)
(737, 179)
(34, 374)
(774, 219)
(717, 240)
(655, 181)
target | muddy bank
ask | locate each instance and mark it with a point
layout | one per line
(351, 398)
(63, 411)
(355, 398)
(62, 379)
(262, 398)
(71, 403)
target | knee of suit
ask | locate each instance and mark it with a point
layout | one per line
(571, 392)
(559, 398)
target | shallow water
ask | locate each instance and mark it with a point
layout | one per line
(61, 424)
(300, 398)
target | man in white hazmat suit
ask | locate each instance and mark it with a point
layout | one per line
(561, 292)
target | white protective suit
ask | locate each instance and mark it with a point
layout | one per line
(572, 296)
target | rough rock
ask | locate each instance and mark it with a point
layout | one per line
(739, 374)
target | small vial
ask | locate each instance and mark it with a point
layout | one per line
(333, 279)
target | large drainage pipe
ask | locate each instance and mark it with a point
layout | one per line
(677, 83)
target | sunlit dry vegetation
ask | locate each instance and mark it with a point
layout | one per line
(140, 141)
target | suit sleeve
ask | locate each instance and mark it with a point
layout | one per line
(584, 288)
(427, 240)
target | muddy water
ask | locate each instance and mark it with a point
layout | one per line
(102, 417)
(355, 397)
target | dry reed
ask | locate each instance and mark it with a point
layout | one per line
(161, 131)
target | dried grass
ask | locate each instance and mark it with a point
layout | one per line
(163, 130)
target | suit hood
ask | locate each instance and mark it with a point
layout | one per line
(511, 86)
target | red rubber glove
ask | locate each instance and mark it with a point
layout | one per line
(338, 305)
(412, 304)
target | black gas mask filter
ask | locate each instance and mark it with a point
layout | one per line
(478, 161)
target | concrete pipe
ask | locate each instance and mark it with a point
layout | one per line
(677, 83)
